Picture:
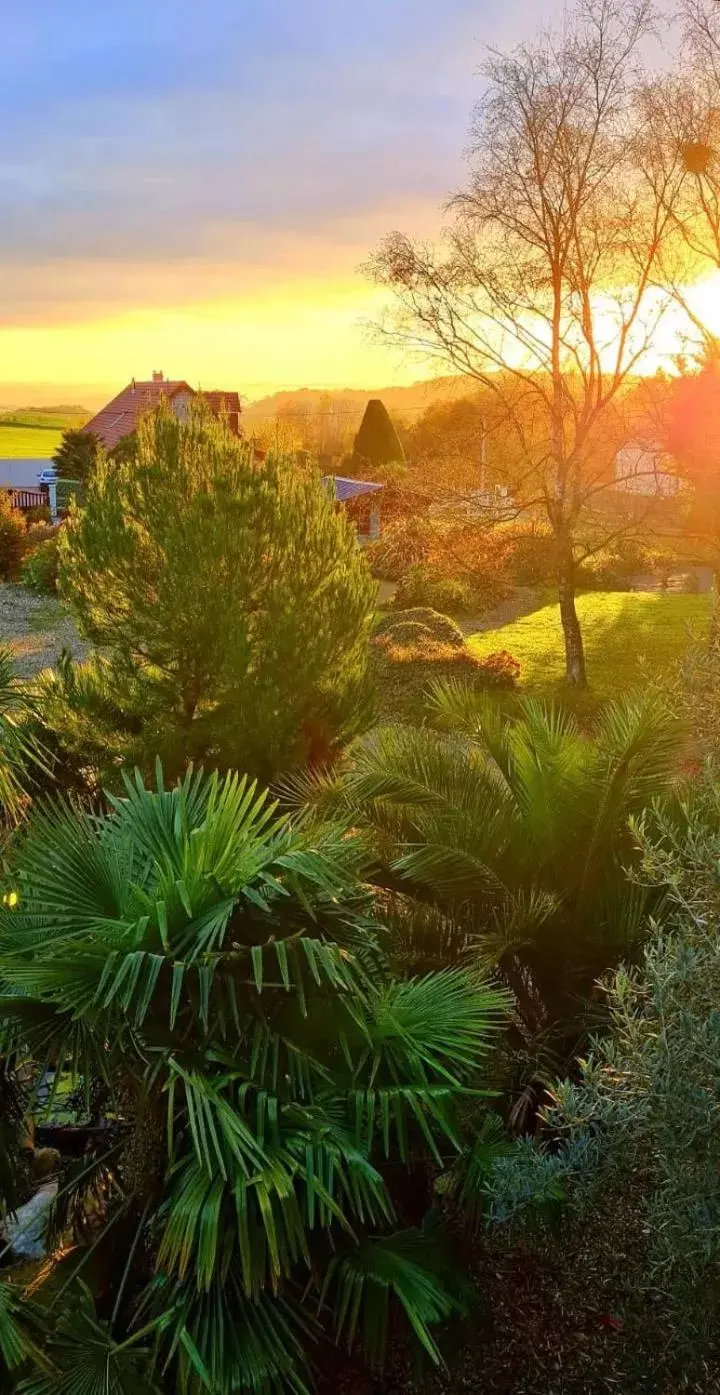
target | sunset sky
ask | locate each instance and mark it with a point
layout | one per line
(191, 187)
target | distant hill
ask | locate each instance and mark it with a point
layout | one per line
(410, 401)
(45, 418)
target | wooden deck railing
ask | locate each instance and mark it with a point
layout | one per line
(29, 498)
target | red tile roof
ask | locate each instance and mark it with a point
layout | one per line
(120, 417)
(225, 404)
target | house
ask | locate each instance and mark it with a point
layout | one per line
(643, 467)
(360, 502)
(494, 505)
(120, 417)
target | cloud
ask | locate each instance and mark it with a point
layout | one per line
(162, 157)
(139, 129)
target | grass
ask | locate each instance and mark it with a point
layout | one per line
(630, 638)
(28, 442)
(46, 614)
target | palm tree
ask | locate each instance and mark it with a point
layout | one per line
(216, 970)
(512, 835)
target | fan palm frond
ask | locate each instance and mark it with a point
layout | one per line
(467, 1179)
(18, 1335)
(442, 1022)
(225, 1342)
(218, 966)
(409, 1266)
(84, 1359)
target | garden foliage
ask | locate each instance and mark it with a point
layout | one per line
(230, 599)
(215, 972)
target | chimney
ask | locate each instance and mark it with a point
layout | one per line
(157, 377)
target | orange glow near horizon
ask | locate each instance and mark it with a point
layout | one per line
(313, 338)
(285, 337)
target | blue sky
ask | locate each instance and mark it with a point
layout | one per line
(160, 156)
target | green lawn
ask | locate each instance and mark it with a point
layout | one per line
(630, 636)
(28, 442)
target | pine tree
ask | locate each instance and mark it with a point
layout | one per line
(377, 442)
(76, 455)
(230, 600)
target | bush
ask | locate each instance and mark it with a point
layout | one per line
(404, 674)
(423, 586)
(12, 538)
(263, 1169)
(408, 634)
(39, 569)
(39, 514)
(77, 454)
(642, 1126)
(401, 545)
(530, 557)
(441, 627)
(377, 442)
(614, 568)
(408, 659)
(499, 670)
(40, 531)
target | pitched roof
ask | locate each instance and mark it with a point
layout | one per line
(220, 401)
(120, 417)
(350, 489)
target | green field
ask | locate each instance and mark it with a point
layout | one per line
(28, 442)
(630, 636)
(57, 418)
(33, 433)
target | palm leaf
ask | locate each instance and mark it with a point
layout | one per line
(408, 1267)
(467, 1180)
(85, 1360)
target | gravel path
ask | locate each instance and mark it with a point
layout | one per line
(36, 628)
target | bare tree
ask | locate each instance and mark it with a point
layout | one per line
(545, 287)
(686, 122)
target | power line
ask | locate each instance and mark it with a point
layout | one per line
(248, 413)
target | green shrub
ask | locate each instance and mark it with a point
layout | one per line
(377, 442)
(637, 1137)
(441, 627)
(613, 568)
(39, 569)
(409, 657)
(423, 586)
(403, 675)
(408, 634)
(77, 454)
(12, 538)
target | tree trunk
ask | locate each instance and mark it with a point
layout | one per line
(572, 634)
(530, 1016)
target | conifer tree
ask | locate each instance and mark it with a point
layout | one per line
(76, 455)
(230, 600)
(377, 442)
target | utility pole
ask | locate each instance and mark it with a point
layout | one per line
(482, 455)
